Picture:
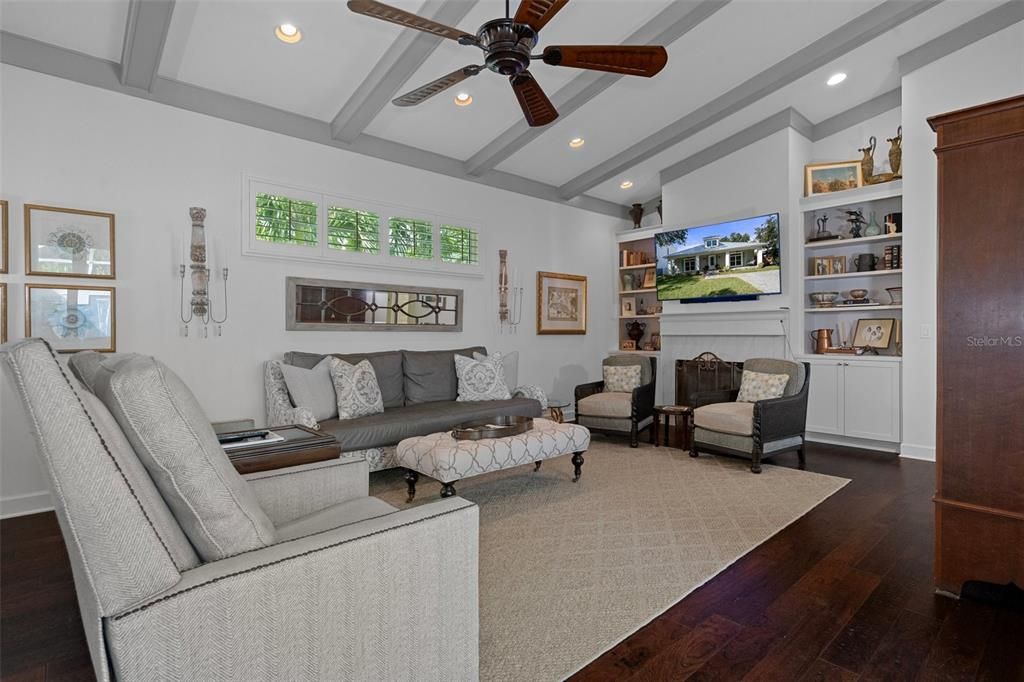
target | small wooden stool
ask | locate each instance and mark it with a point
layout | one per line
(683, 421)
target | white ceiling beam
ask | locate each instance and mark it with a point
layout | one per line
(669, 25)
(402, 59)
(144, 37)
(35, 55)
(846, 38)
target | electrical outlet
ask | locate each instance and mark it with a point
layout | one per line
(926, 331)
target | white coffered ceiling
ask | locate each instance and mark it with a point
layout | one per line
(735, 64)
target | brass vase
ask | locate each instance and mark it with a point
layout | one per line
(867, 163)
(896, 153)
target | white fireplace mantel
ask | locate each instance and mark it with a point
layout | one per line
(726, 323)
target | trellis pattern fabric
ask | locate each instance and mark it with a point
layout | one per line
(280, 411)
(481, 379)
(760, 386)
(447, 460)
(357, 389)
(621, 379)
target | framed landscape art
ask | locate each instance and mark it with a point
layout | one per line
(822, 178)
(72, 318)
(67, 242)
(561, 303)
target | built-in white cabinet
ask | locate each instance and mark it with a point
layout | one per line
(855, 398)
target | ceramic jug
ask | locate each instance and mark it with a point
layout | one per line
(865, 262)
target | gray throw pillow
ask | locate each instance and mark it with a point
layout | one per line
(312, 389)
(175, 442)
(481, 379)
(509, 365)
(357, 389)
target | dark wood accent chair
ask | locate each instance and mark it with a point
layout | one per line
(776, 425)
(620, 416)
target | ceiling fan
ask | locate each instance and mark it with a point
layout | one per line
(507, 45)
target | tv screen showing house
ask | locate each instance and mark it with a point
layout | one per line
(735, 260)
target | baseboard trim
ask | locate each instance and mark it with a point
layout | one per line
(922, 452)
(866, 444)
(23, 505)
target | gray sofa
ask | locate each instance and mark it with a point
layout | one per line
(336, 585)
(419, 389)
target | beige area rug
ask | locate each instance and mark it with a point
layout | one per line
(568, 570)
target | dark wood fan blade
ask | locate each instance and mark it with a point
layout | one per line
(424, 93)
(632, 60)
(536, 106)
(378, 10)
(536, 13)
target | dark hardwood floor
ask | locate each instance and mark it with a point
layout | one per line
(845, 593)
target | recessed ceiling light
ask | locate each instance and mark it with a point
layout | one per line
(836, 78)
(577, 142)
(288, 33)
(463, 99)
(626, 184)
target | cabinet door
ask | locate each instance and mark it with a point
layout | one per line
(825, 400)
(871, 398)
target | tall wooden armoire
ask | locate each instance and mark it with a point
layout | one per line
(979, 501)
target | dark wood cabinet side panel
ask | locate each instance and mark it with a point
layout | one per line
(977, 546)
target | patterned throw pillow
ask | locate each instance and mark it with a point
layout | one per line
(621, 378)
(357, 389)
(760, 386)
(481, 379)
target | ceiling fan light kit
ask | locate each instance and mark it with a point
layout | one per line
(508, 44)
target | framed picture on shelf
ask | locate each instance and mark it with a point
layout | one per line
(656, 341)
(4, 244)
(822, 266)
(561, 303)
(68, 242)
(628, 306)
(650, 278)
(873, 333)
(838, 266)
(823, 178)
(628, 344)
(72, 318)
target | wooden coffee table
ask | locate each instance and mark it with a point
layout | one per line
(301, 445)
(683, 415)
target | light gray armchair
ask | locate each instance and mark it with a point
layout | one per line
(345, 587)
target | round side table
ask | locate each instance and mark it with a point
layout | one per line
(555, 408)
(683, 415)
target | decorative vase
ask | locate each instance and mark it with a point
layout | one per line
(867, 164)
(895, 295)
(637, 214)
(635, 330)
(873, 229)
(896, 153)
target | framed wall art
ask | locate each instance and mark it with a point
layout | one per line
(67, 242)
(4, 243)
(823, 178)
(72, 318)
(873, 333)
(561, 303)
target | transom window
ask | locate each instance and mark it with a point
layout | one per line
(410, 238)
(459, 245)
(349, 229)
(282, 220)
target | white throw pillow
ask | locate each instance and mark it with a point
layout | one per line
(312, 388)
(510, 366)
(481, 379)
(761, 386)
(357, 389)
(621, 378)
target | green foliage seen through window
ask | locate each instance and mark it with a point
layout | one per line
(459, 245)
(286, 221)
(352, 230)
(410, 238)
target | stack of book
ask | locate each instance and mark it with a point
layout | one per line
(893, 258)
(633, 257)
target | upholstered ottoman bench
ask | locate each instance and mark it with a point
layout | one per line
(445, 459)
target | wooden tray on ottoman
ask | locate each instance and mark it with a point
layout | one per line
(493, 427)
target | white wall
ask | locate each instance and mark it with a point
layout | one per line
(985, 71)
(72, 145)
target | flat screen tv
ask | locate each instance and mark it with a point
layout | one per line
(731, 261)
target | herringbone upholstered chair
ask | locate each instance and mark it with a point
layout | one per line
(345, 587)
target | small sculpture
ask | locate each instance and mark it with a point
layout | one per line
(856, 220)
(896, 153)
(867, 164)
(821, 233)
(637, 214)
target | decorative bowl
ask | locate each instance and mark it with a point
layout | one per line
(858, 294)
(824, 299)
(895, 295)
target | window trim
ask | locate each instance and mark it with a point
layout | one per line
(385, 210)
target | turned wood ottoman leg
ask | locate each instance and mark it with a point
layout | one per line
(577, 465)
(536, 465)
(410, 479)
(447, 489)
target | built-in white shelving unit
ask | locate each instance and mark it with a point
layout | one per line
(630, 285)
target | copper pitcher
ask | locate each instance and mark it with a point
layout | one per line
(822, 339)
